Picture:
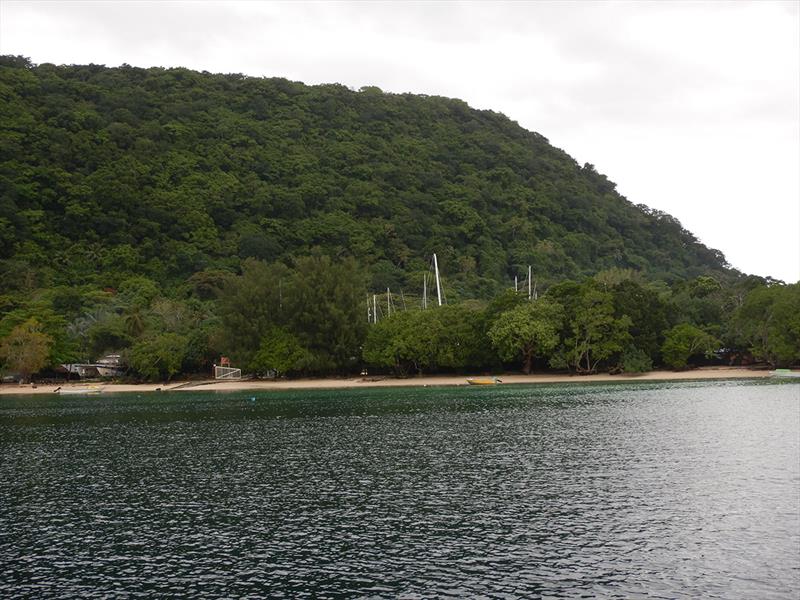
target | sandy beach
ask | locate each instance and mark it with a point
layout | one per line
(377, 381)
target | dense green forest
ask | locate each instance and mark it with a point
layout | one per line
(174, 216)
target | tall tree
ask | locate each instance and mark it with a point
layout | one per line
(159, 356)
(650, 315)
(280, 353)
(684, 341)
(527, 331)
(406, 341)
(24, 351)
(768, 323)
(250, 305)
(325, 312)
(593, 333)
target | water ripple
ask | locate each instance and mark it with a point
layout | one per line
(618, 491)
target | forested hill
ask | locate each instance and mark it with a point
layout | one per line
(106, 173)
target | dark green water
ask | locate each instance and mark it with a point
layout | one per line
(645, 490)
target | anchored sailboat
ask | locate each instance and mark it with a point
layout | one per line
(374, 308)
(531, 284)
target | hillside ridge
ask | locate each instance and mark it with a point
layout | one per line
(108, 173)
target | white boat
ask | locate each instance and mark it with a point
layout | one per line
(483, 380)
(83, 390)
(785, 373)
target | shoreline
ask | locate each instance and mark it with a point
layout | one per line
(700, 373)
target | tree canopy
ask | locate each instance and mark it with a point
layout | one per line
(111, 173)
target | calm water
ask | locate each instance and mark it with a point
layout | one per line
(644, 490)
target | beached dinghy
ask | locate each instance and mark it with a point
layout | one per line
(483, 380)
(784, 373)
(83, 390)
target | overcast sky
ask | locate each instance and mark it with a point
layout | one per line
(692, 108)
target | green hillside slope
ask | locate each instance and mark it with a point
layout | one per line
(107, 173)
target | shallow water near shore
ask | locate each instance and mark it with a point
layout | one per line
(663, 490)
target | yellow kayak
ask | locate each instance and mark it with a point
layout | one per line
(483, 381)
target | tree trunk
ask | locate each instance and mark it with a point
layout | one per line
(528, 366)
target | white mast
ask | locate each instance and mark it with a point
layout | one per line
(369, 311)
(374, 309)
(530, 293)
(438, 285)
(515, 284)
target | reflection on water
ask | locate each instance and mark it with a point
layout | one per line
(660, 490)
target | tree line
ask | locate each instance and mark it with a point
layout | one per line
(311, 318)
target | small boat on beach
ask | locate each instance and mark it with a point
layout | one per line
(785, 373)
(483, 381)
(83, 390)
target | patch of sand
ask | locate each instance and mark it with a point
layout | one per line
(365, 382)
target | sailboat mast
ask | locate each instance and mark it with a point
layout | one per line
(515, 284)
(374, 308)
(530, 293)
(438, 285)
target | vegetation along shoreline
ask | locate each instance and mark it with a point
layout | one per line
(154, 221)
